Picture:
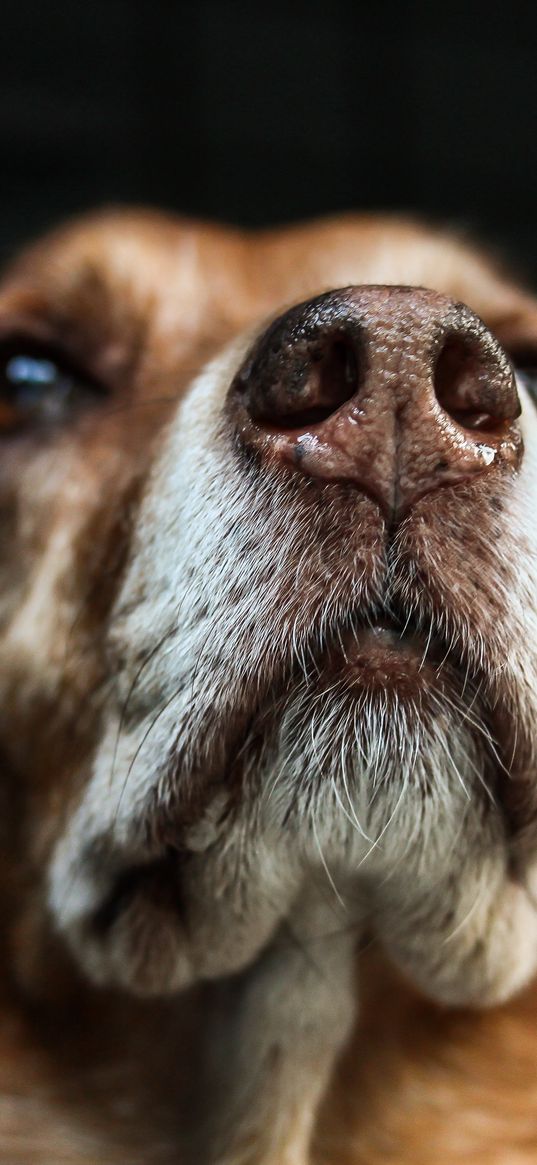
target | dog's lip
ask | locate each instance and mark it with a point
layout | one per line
(389, 643)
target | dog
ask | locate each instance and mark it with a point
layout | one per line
(269, 686)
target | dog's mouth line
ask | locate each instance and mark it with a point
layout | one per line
(389, 633)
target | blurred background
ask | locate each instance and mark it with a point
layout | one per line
(261, 113)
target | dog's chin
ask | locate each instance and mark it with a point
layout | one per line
(351, 762)
(406, 690)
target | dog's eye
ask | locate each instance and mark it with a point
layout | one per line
(39, 386)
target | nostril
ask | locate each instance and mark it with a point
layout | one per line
(466, 385)
(338, 371)
(333, 378)
(301, 383)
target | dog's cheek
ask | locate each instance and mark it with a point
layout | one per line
(65, 534)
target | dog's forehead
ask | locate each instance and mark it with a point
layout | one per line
(126, 272)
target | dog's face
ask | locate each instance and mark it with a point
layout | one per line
(268, 592)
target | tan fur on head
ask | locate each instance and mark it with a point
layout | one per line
(213, 795)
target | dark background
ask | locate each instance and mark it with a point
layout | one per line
(257, 113)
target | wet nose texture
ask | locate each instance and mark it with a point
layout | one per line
(397, 390)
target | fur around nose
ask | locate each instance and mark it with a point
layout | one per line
(397, 390)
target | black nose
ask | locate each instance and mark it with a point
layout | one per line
(398, 390)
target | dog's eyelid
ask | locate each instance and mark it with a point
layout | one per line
(42, 346)
(41, 382)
